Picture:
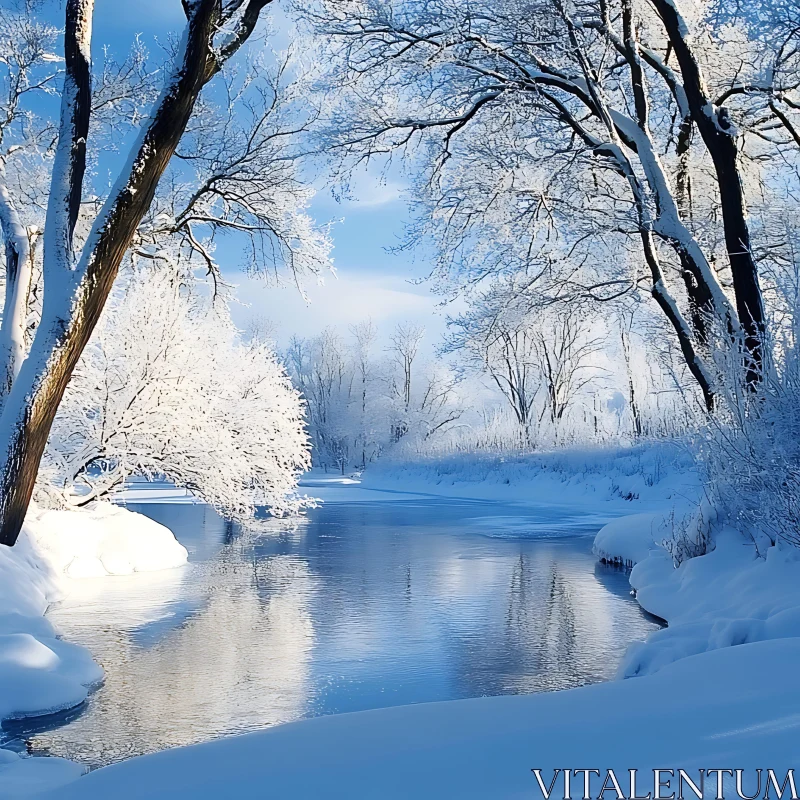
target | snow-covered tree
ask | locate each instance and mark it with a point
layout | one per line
(360, 405)
(166, 388)
(320, 370)
(540, 359)
(403, 349)
(593, 150)
(233, 175)
(364, 336)
(503, 346)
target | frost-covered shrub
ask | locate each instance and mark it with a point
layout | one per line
(749, 456)
(166, 388)
(689, 536)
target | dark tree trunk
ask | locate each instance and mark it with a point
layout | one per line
(701, 301)
(685, 338)
(718, 135)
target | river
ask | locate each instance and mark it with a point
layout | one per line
(381, 600)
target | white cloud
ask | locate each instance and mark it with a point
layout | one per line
(338, 302)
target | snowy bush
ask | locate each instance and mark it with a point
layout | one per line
(750, 458)
(166, 388)
(689, 536)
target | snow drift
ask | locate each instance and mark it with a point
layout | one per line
(711, 584)
(38, 672)
(725, 598)
(104, 540)
(485, 748)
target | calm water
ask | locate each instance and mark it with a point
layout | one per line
(363, 605)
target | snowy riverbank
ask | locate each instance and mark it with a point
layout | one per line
(712, 710)
(623, 478)
(40, 673)
(730, 596)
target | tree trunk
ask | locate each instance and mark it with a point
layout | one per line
(659, 290)
(626, 353)
(74, 299)
(18, 283)
(719, 135)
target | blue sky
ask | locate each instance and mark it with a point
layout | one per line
(371, 282)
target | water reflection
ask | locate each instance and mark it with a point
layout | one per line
(361, 606)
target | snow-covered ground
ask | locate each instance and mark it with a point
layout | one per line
(103, 540)
(715, 689)
(623, 478)
(714, 710)
(725, 598)
(40, 673)
(730, 596)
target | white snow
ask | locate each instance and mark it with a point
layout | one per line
(730, 596)
(40, 673)
(609, 481)
(629, 540)
(20, 777)
(105, 540)
(576, 486)
(725, 598)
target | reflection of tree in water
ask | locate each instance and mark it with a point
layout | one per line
(240, 662)
(530, 651)
(554, 632)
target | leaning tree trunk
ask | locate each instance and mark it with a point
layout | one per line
(74, 298)
(659, 291)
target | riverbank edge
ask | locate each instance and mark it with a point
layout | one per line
(40, 673)
(730, 595)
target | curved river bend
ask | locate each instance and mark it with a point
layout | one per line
(402, 599)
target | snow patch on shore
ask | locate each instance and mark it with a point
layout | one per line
(39, 673)
(21, 777)
(629, 540)
(105, 540)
